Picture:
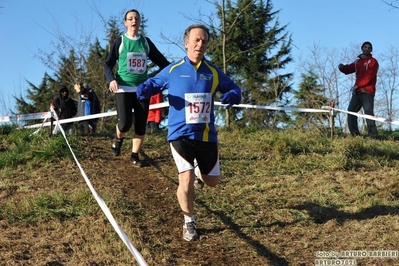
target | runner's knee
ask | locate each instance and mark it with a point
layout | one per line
(211, 181)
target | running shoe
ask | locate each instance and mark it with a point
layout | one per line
(198, 184)
(135, 160)
(116, 147)
(190, 231)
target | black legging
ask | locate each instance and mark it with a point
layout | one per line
(125, 102)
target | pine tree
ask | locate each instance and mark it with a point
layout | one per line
(38, 98)
(310, 95)
(256, 49)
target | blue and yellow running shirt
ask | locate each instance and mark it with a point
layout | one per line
(191, 92)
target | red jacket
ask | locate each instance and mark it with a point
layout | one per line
(366, 73)
(155, 115)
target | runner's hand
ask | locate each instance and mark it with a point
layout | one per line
(144, 91)
(230, 98)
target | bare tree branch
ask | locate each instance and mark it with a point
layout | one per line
(391, 4)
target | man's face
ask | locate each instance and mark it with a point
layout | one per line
(64, 94)
(196, 44)
(366, 49)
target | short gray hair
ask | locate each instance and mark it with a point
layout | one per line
(195, 26)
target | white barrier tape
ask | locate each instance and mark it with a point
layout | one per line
(87, 117)
(165, 104)
(103, 206)
(23, 117)
(41, 125)
(36, 116)
(79, 118)
(375, 118)
(292, 109)
(324, 109)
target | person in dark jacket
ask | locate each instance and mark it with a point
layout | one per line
(65, 107)
(88, 104)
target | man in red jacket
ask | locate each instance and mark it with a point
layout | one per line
(363, 92)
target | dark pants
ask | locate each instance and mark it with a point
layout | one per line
(152, 127)
(358, 101)
(125, 102)
(87, 127)
(67, 127)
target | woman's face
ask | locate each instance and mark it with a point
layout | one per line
(132, 21)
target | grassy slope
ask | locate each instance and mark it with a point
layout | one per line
(283, 196)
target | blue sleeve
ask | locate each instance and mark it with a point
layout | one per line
(160, 81)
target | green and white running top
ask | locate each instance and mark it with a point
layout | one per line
(132, 63)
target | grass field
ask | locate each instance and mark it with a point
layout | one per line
(286, 197)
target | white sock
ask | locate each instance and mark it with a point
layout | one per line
(196, 172)
(188, 219)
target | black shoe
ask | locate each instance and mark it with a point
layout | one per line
(355, 134)
(116, 147)
(135, 160)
